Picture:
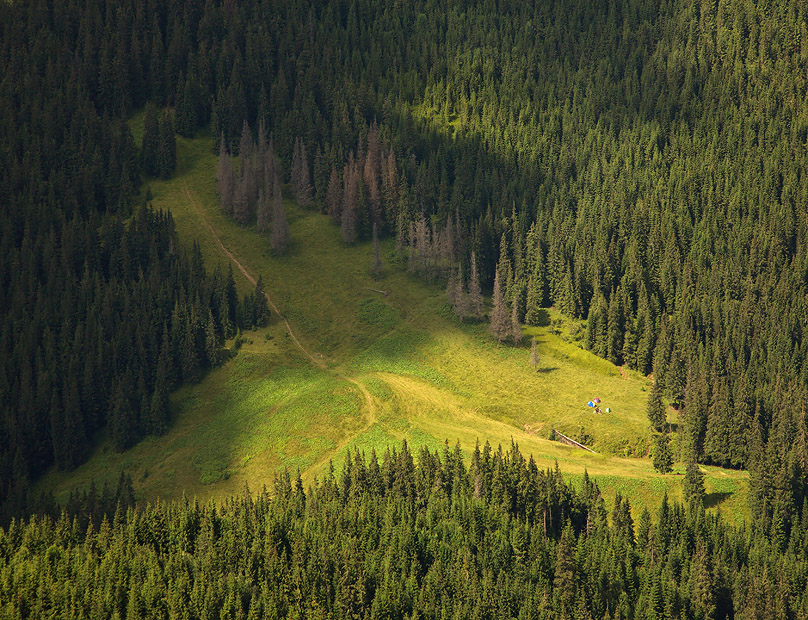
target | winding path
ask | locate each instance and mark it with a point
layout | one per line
(194, 199)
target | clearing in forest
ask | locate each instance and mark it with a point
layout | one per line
(341, 366)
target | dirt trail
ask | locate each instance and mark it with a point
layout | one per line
(371, 407)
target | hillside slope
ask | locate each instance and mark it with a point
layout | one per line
(348, 367)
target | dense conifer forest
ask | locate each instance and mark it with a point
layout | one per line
(392, 538)
(638, 165)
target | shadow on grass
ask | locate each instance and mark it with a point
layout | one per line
(544, 371)
(711, 500)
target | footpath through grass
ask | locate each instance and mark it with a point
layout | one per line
(385, 368)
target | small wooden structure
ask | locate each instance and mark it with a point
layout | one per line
(571, 442)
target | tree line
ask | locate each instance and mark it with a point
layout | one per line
(406, 536)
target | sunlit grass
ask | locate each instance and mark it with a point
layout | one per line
(429, 378)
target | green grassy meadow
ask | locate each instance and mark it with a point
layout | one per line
(382, 368)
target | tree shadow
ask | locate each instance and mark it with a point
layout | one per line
(711, 500)
(546, 370)
(543, 318)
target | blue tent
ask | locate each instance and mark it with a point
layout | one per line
(590, 404)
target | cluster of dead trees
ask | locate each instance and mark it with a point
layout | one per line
(368, 192)
(252, 193)
(466, 298)
(363, 201)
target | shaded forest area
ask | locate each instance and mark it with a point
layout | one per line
(389, 538)
(637, 164)
(102, 314)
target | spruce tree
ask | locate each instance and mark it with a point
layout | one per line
(533, 303)
(260, 307)
(279, 238)
(212, 345)
(349, 216)
(250, 167)
(75, 440)
(122, 423)
(475, 293)
(348, 223)
(499, 327)
(187, 119)
(461, 304)
(190, 363)
(294, 168)
(159, 407)
(305, 190)
(614, 329)
(263, 212)
(241, 203)
(693, 484)
(57, 429)
(656, 408)
(333, 198)
(663, 458)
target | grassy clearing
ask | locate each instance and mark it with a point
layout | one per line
(393, 367)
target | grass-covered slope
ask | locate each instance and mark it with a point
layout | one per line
(368, 370)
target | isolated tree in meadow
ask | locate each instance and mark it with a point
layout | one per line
(475, 292)
(693, 484)
(516, 328)
(499, 327)
(663, 458)
(534, 354)
(656, 408)
(279, 238)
